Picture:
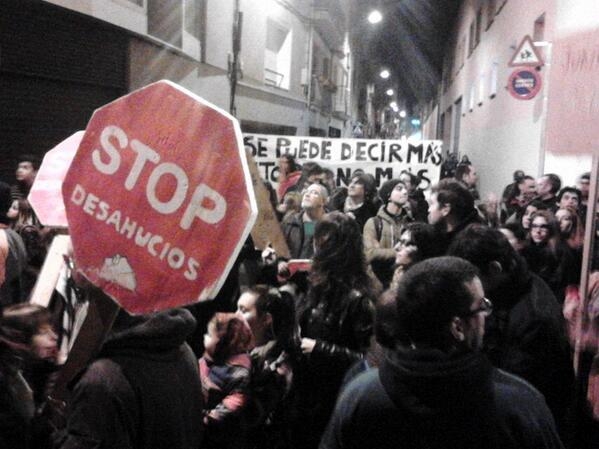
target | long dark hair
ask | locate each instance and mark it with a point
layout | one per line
(18, 325)
(281, 307)
(339, 264)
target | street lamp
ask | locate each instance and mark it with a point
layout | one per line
(375, 16)
(390, 92)
(385, 74)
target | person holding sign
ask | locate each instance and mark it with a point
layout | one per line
(142, 390)
(382, 232)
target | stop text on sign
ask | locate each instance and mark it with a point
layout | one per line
(205, 203)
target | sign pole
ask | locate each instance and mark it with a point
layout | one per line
(98, 322)
(543, 148)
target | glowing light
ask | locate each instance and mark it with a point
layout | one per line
(385, 74)
(393, 104)
(375, 16)
(402, 114)
(390, 92)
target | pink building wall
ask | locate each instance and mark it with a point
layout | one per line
(501, 134)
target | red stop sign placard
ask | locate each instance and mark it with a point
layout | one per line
(159, 198)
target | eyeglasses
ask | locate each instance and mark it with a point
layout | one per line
(486, 307)
(539, 226)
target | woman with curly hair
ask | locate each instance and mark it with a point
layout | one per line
(336, 322)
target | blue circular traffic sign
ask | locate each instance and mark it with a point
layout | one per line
(524, 83)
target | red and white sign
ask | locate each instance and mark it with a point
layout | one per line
(572, 108)
(524, 83)
(159, 198)
(526, 55)
(45, 195)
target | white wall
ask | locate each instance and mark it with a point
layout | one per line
(150, 61)
(503, 133)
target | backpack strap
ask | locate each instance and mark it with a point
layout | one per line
(378, 227)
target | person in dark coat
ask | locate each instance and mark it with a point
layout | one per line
(27, 359)
(418, 203)
(451, 209)
(550, 257)
(13, 256)
(336, 319)
(270, 314)
(298, 229)
(142, 391)
(435, 389)
(526, 334)
(360, 201)
(548, 186)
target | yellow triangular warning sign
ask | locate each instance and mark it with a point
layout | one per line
(526, 54)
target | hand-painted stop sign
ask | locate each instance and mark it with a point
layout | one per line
(159, 198)
(45, 195)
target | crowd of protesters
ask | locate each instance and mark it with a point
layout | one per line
(380, 308)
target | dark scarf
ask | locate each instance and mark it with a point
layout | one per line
(448, 400)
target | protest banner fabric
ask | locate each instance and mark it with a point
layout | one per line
(384, 159)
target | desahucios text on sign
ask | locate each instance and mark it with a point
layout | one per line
(384, 159)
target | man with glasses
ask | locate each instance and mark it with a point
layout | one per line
(525, 335)
(435, 389)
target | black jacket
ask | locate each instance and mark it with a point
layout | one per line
(525, 336)
(342, 336)
(300, 245)
(142, 391)
(427, 399)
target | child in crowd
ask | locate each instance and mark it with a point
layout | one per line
(27, 355)
(225, 374)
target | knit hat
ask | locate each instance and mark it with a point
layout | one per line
(5, 202)
(386, 189)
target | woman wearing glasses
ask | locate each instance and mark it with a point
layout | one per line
(548, 255)
(416, 243)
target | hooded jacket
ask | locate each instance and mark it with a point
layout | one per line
(379, 248)
(428, 399)
(142, 391)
